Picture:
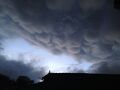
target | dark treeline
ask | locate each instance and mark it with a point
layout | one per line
(22, 83)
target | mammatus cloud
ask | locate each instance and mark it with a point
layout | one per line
(88, 30)
(64, 5)
(87, 5)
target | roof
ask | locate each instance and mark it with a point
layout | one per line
(79, 75)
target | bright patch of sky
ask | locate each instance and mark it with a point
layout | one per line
(20, 50)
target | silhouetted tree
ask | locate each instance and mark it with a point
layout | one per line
(23, 83)
(6, 83)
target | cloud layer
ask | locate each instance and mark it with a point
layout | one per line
(86, 30)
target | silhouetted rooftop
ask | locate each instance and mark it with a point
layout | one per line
(79, 76)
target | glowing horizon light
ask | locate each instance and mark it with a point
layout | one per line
(40, 57)
(57, 67)
(85, 65)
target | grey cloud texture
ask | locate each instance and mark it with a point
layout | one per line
(85, 29)
(65, 5)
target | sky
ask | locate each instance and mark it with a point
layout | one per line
(72, 36)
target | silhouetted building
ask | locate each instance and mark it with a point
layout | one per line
(77, 81)
(117, 4)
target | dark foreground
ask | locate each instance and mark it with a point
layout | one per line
(63, 81)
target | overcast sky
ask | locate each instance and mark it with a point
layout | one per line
(59, 35)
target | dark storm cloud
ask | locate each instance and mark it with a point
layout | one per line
(88, 29)
(60, 4)
(111, 67)
(13, 69)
